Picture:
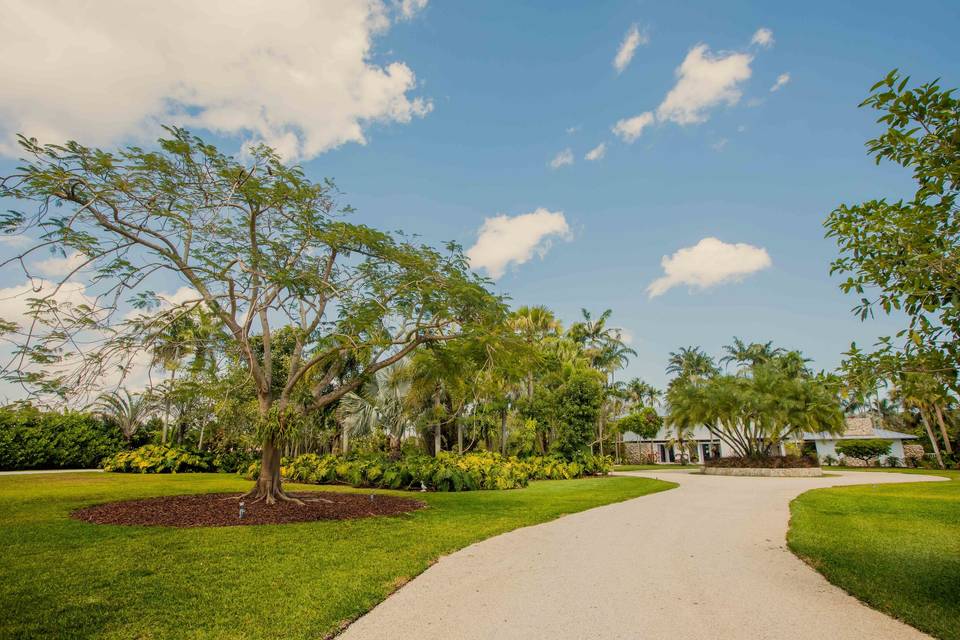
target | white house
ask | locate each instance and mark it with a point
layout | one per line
(663, 449)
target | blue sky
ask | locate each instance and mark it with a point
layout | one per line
(512, 85)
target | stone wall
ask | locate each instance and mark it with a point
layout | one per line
(806, 472)
(640, 453)
(913, 451)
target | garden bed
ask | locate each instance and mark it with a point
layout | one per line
(222, 510)
(766, 466)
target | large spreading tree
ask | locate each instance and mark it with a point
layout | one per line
(255, 244)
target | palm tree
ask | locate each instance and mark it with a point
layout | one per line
(640, 392)
(749, 355)
(380, 404)
(533, 325)
(690, 362)
(128, 411)
(919, 391)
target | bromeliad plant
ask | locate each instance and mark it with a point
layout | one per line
(444, 472)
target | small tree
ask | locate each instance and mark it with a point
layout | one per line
(864, 450)
(644, 421)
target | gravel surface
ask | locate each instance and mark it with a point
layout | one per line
(705, 560)
(223, 509)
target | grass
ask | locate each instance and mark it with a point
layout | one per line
(895, 547)
(61, 578)
(653, 467)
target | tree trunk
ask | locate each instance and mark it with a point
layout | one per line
(503, 432)
(344, 441)
(459, 437)
(933, 439)
(200, 443)
(943, 429)
(437, 434)
(268, 487)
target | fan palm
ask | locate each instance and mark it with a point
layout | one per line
(128, 411)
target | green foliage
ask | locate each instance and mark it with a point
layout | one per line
(576, 408)
(865, 450)
(923, 136)
(444, 472)
(154, 458)
(34, 439)
(645, 422)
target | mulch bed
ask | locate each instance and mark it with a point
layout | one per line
(222, 509)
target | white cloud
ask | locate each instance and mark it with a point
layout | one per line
(708, 263)
(15, 305)
(626, 336)
(704, 80)
(505, 240)
(300, 75)
(628, 47)
(563, 158)
(763, 37)
(410, 8)
(719, 144)
(629, 129)
(782, 79)
(573, 130)
(597, 152)
(57, 266)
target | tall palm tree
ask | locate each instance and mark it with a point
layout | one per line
(640, 392)
(128, 411)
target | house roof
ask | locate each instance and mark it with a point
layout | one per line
(860, 428)
(884, 434)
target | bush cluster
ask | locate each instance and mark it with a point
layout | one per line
(765, 462)
(155, 458)
(35, 439)
(446, 472)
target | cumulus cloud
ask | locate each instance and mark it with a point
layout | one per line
(504, 240)
(299, 75)
(763, 37)
(629, 129)
(782, 79)
(563, 158)
(628, 47)
(597, 152)
(708, 263)
(704, 80)
(59, 266)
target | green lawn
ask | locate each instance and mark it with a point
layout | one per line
(653, 467)
(61, 578)
(895, 547)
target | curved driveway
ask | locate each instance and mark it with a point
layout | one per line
(705, 560)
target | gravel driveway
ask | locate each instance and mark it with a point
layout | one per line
(705, 560)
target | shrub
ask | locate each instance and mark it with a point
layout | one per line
(830, 460)
(893, 461)
(765, 462)
(865, 450)
(445, 472)
(35, 439)
(155, 458)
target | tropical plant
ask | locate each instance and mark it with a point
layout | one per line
(865, 449)
(126, 410)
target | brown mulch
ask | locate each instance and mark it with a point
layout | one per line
(222, 509)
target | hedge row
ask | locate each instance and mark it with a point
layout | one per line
(34, 439)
